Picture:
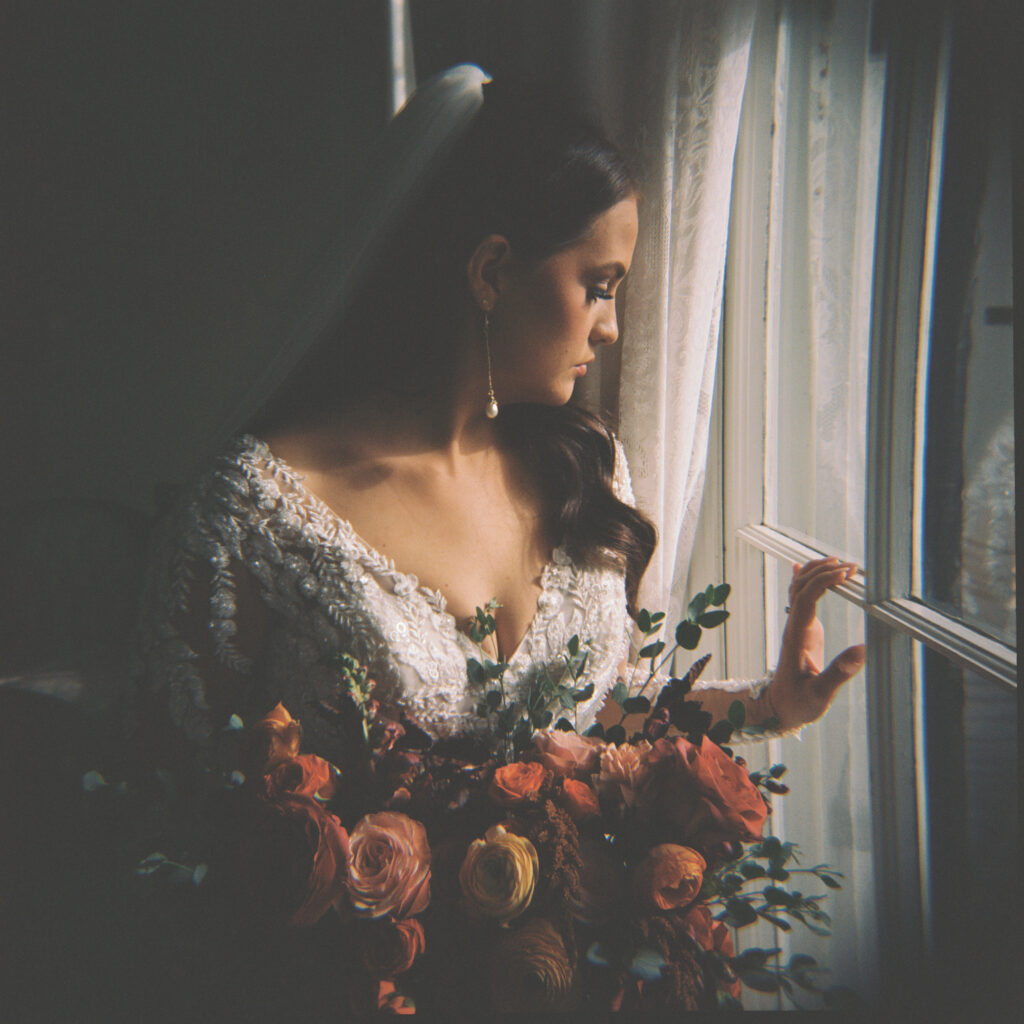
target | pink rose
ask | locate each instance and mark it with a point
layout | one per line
(566, 753)
(389, 868)
(703, 791)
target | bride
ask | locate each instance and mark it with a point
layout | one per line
(427, 458)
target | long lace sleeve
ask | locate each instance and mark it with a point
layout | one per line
(750, 691)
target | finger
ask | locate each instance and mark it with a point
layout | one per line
(842, 667)
(812, 586)
(810, 569)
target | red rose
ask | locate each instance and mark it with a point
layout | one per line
(293, 860)
(703, 791)
(306, 775)
(579, 799)
(390, 947)
(515, 783)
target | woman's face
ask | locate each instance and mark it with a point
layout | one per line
(553, 315)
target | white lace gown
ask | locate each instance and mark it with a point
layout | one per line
(325, 591)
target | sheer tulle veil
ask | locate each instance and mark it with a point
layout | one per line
(399, 167)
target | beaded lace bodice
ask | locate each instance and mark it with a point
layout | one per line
(327, 592)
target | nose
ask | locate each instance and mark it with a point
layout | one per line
(606, 327)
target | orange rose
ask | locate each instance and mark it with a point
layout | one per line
(273, 739)
(292, 860)
(669, 877)
(389, 869)
(579, 799)
(703, 791)
(390, 947)
(305, 775)
(515, 783)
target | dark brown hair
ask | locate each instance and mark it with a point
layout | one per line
(538, 174)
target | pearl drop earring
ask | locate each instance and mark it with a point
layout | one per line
(491, 409)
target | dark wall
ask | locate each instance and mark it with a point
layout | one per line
(168, 170)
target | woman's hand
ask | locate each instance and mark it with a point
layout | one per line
(800, 691)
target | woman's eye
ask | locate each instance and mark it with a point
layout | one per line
(598, 292)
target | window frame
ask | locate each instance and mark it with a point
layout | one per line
(916, 83)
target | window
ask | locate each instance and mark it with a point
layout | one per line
(865, 410)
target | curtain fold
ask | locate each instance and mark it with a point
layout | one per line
(674, 299)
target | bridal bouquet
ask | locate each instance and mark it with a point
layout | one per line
(550, 870)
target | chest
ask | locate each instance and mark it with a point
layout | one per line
(471, 538)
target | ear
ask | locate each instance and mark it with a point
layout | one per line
(488, 270)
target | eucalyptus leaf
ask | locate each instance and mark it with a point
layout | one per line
(721, 592)
(652, 650)
(737, 713)
(596, 730)
(475, 671)
(573, 645)
(564, 725)
(688, 635)
(657, 617)
(615, 734)
(619, 692)
(636, 705)
(149, 864)
(545, 718)
(647, 964)
(713, 618)
(643, 620)
(696, 606)
(583, 693)
(761, 980)
(741, 912)
(92, 781)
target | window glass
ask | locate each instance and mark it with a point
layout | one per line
(973, 797)
(969, 551)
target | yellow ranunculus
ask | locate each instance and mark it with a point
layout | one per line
(498, 874)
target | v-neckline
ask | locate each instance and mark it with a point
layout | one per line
(433, 599)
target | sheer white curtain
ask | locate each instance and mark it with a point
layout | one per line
(806, 185)
(685, 73)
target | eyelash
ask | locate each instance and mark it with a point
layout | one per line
(599, 293)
